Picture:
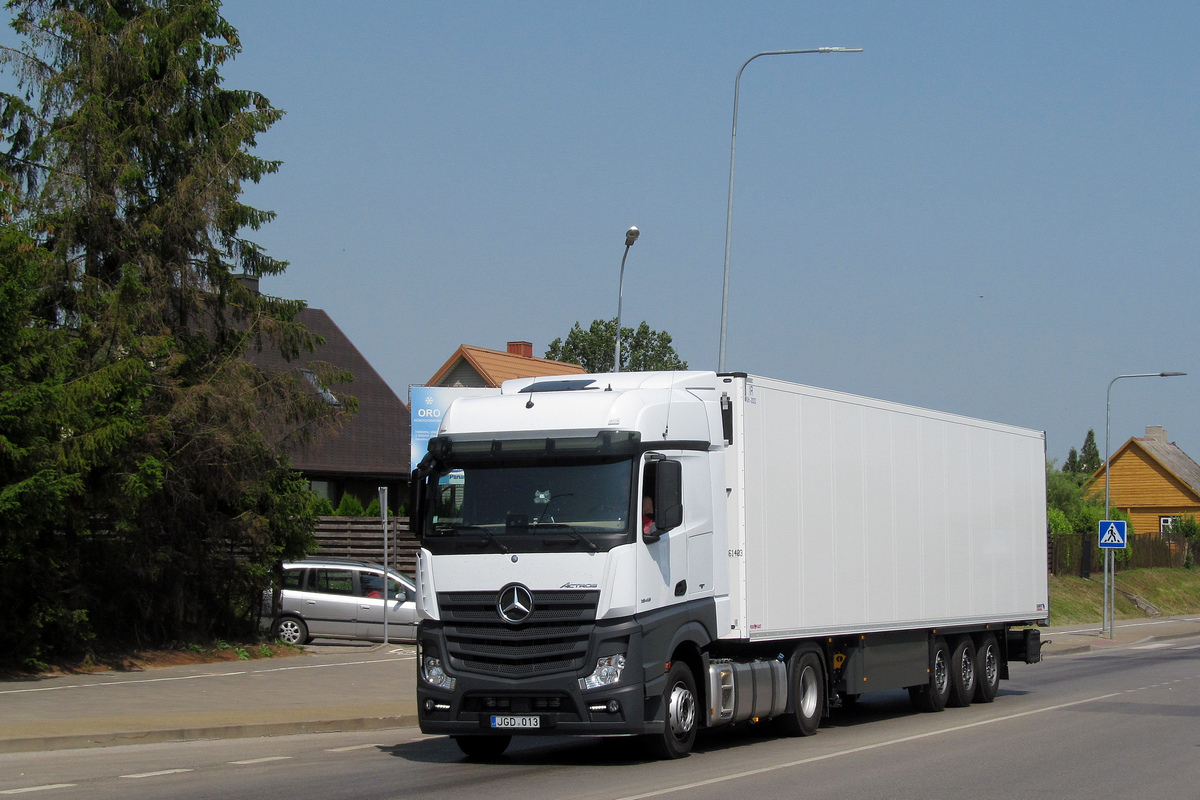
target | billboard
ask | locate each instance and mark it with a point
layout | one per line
(428, 403)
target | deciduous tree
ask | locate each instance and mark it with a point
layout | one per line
(642, 349)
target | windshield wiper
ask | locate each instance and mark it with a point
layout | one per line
(484, 532)
(569, 529)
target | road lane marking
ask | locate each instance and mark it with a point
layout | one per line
(863, 748)
(261, 760)
(352, 747)
(1154, 646)
(118, 682)
(156, 774)
(42, 788)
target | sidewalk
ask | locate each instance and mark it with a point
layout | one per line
(330, 688)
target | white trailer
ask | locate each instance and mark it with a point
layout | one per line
(807, 546)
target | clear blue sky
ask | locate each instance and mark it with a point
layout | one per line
(992, 211)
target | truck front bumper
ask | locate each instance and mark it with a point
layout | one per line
(484, 704)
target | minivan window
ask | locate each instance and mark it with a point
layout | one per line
(291, 578)
(335, 581)
(371, 585)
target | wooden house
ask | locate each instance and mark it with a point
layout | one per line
(1152, 480)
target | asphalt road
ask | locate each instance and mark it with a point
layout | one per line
(1117, 723)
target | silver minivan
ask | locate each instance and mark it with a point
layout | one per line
(338, 598)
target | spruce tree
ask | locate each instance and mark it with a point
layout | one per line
(160, 445)
(1089, 456)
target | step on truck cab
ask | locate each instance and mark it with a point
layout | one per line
(655, 553)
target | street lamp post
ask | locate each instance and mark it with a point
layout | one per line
(737, 83)
(1110, 575)
(630, 237)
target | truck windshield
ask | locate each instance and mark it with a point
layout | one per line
(564, 504)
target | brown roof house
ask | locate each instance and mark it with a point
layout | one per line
(479, 367)
(471, 371)
(368, 451)
(1153, 480)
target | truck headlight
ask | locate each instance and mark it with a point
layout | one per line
(434, 675)
(608, 672)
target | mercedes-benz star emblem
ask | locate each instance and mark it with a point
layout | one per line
(515, 603)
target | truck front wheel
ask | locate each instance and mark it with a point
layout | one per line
(679, 704)
(808, 697)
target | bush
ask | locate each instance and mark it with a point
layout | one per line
(320, 506)
(350, 506)
(1188, 529)
(373, 509)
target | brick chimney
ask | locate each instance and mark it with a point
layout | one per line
(250, 282)
(1157, 433)
(521, 349)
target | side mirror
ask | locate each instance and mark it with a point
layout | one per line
(668, 495)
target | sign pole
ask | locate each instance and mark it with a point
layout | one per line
(1113, 534)
(383, 513)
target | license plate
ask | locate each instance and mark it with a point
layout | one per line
(516, 722)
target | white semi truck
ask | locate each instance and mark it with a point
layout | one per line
(654, 553)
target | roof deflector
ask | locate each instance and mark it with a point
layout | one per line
(559, 386)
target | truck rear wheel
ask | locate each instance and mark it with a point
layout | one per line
(962, 674)
(808, 697)
(987, 670)
(482, 746)
(933, 695)
(679, 714)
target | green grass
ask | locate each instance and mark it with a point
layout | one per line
(1076, 600)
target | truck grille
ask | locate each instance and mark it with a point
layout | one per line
(553, 639)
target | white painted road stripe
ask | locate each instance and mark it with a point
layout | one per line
(261, 760)
(1154, 646)
(156, 774)
(37, 788)
(352, 747)
(864, 748)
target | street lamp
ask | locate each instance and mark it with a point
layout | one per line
(630, 237)
(1110, 585)
(732, 152)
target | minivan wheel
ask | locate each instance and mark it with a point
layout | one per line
(291, 630)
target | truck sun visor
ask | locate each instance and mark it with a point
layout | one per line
(605, 443)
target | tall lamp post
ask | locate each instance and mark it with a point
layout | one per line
(630, 237)
(737, 83)
(1110, 575)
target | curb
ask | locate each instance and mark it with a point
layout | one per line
(78, 741)
(1089, 648)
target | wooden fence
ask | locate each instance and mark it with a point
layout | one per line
(1149, 550)
(362, 538)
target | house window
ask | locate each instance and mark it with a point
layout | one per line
(322, 489)
(1165, 524)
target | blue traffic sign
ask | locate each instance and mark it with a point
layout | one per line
(1112, 533)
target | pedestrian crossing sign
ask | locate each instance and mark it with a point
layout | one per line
(1112, 533)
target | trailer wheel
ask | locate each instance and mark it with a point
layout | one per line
(932, 696)
(808, 697)
(987, 670)
(962, 674)
(482, 747)
(680, 717)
